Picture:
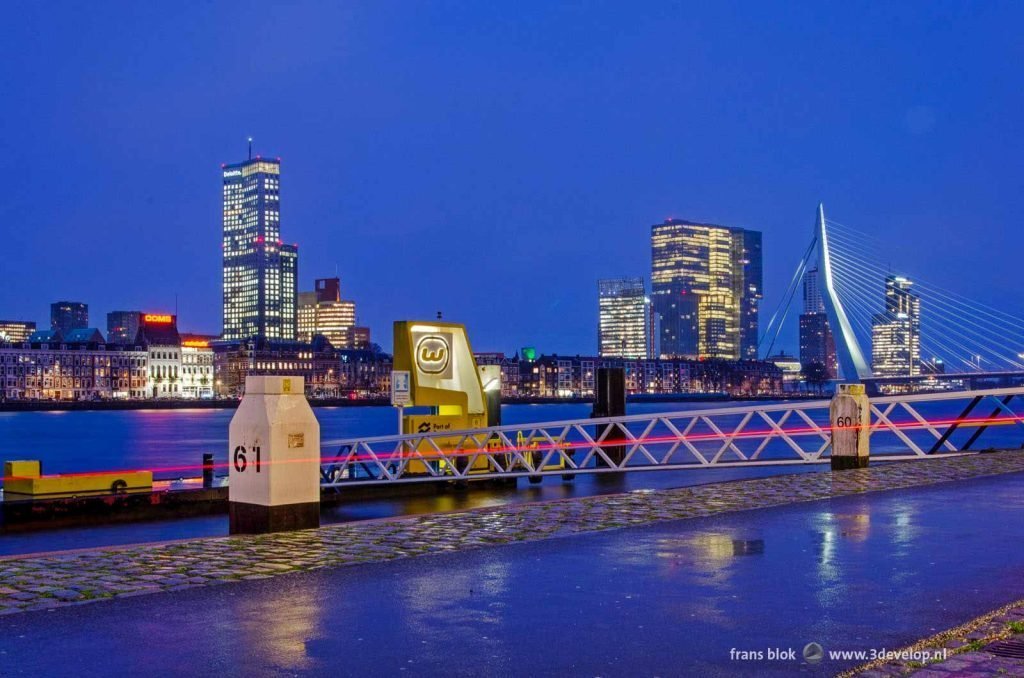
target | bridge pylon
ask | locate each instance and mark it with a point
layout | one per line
(848, 352)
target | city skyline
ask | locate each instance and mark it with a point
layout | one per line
(389, 126)
(635, 327)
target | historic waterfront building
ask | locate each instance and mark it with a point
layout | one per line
(706, 287)
(16, 331)
(554, 376)
(260, 271)
(510, 375)
(896, 332)
(316, 362)
(81, 366)
(158, 333)
(69, 315)
(623, 318)
(364, 373)
(197, 376)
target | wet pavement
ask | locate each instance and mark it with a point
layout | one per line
(49, 580)
(552, 488)
(868, 571)
(865, 569)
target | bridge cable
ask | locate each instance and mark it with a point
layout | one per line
(787, 300)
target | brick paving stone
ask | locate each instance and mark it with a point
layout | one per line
(146, 568)
(968, 661)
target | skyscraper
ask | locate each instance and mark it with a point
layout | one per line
(69, 315)
(260, 270)
(623, 318)
(323, 311)
(706, 286)
(816, 342)
(896, 332)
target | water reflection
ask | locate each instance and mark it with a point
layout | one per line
(283, 628)
(466, 604)
(709, 551)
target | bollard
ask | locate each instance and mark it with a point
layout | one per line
(610, 401)
(850, 416)
(207, 470)
(273, 459)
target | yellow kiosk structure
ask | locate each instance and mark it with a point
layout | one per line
(445, 379)
(457, 394)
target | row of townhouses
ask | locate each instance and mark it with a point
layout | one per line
(161, 363)
(554, 376)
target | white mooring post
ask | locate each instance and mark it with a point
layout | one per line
(273, 459)
(850, 414)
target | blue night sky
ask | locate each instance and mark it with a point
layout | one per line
(492, 161)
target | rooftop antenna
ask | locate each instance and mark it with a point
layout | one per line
(250, 148)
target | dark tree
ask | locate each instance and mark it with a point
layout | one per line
(816, 375)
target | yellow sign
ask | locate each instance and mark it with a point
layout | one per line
(160, 318)
(433, 352)
(286, 386)
(440, 362)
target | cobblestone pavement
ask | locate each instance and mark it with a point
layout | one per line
(48, 581)
(967, 650)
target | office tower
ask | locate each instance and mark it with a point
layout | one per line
(813, 301)
(69, 315)
(323, 311)
(817, 344)
(622, 318)
(289, 291)
(706, 286)
(123, 326)
(260, 270)
(896, 332)
(16, 331)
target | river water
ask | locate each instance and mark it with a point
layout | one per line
(173, 441)
(77, 441)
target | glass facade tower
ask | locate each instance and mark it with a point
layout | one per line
(896, 332)
(706, 286)
(623, 318)
(260, 271)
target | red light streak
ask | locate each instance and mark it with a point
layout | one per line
(618, 442)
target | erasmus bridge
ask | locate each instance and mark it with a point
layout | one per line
(949, 340)
(940, 368)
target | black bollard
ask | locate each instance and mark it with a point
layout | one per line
(610, 401)
(207, 470)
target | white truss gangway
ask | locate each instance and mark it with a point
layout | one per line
(902, 427)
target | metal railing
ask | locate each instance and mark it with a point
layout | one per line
(902, 427)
